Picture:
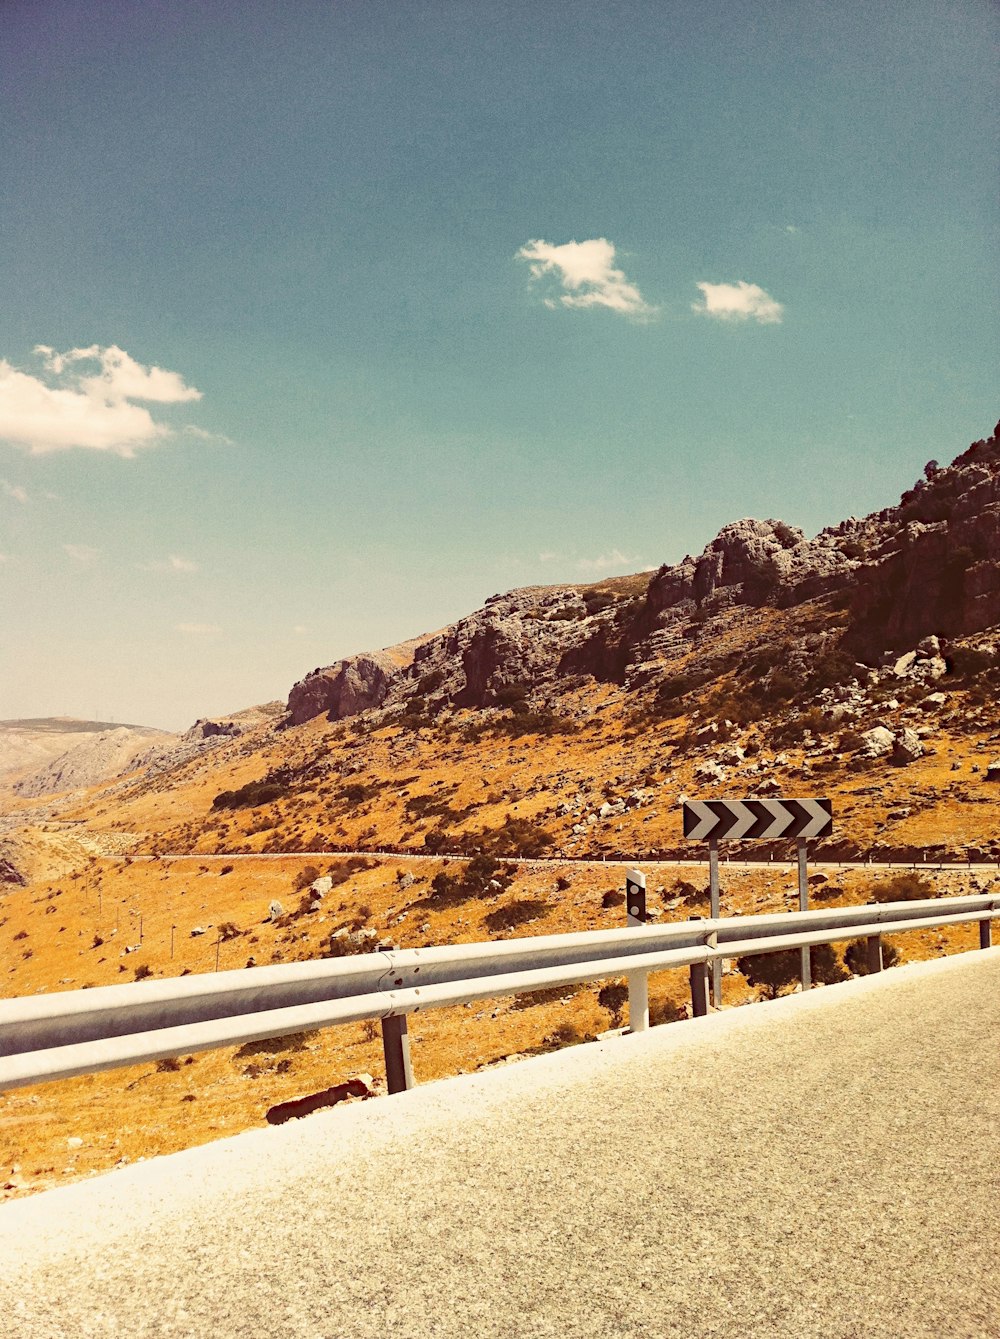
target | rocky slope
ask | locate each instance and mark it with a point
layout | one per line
(927, 567)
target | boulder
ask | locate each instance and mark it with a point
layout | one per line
(907, 748)
(904, 664)
(992, 770)
(877, 743)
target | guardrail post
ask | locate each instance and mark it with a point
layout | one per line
(805, 967)
(396, 1049)
(638, 982)
(715, 906)
(985, 934)
(873, 944)
(699, 984)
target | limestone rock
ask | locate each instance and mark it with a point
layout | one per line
(907, 748)
(9, 873)
(344, 689)
(877, 742)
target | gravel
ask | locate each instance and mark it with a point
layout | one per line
(824, 1165)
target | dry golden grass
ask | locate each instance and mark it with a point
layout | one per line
(85, 889)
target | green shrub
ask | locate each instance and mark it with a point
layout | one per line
(613, 997)
(908, 887)
(514, 914)
(251, 795)
(517, 837)
(856, 956)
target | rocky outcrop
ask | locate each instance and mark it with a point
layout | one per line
(902, 578)
(9, 873)
(350, 686)
(934, 561)
(96, 759)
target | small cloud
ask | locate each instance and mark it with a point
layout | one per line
(605, 561)
(300, 629)
(197, 629)
(189, 430)
(171, 564)
(791, 228)
(738, 302)
(82, 554)
(548, 556)
(93, 398)
(14, 491)
(586, 274)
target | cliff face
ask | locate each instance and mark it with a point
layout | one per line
(930, 566)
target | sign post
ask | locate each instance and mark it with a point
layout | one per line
(638, 982)
(715, 911)
(805, 969)
(712, 820)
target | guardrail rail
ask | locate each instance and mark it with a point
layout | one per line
(84, 1031)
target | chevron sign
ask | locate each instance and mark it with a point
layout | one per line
(710, 820)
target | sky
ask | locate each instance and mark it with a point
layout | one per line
(321, 323)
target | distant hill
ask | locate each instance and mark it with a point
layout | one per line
(46, 753)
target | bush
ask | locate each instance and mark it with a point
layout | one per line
(251, 795)
(910, 887)
(566, 1034)
(448, 890)
(305, 877)
(969, 661)
(517, 836)
(143, 971)
(771, 971)
(514, 914)
(856, 956)
(613, 997)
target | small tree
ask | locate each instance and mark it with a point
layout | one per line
(856, 956)
(771, 971)
(613, 997)
(774, 971)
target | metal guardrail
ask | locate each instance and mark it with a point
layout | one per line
(84, 1031)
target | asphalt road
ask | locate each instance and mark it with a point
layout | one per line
(826, 1165)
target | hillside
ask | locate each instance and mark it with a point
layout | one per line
(28, 748)
(562, 723)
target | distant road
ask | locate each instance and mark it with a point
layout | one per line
(541, 861)
(822, 1167)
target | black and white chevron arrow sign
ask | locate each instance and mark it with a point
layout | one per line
(706, 820)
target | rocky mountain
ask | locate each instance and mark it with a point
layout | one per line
(873, 588)
(92, 756)
(30, 745)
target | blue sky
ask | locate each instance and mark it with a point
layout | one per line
(296, 358)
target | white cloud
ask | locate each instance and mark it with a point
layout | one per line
(82, 554)
(604, 561)
(738, 302)
(173, 563)
(586, 273)
(547, 556)
(198, 629)
(14, 491)
(69, 406)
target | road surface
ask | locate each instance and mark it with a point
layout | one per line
(825, 1165)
